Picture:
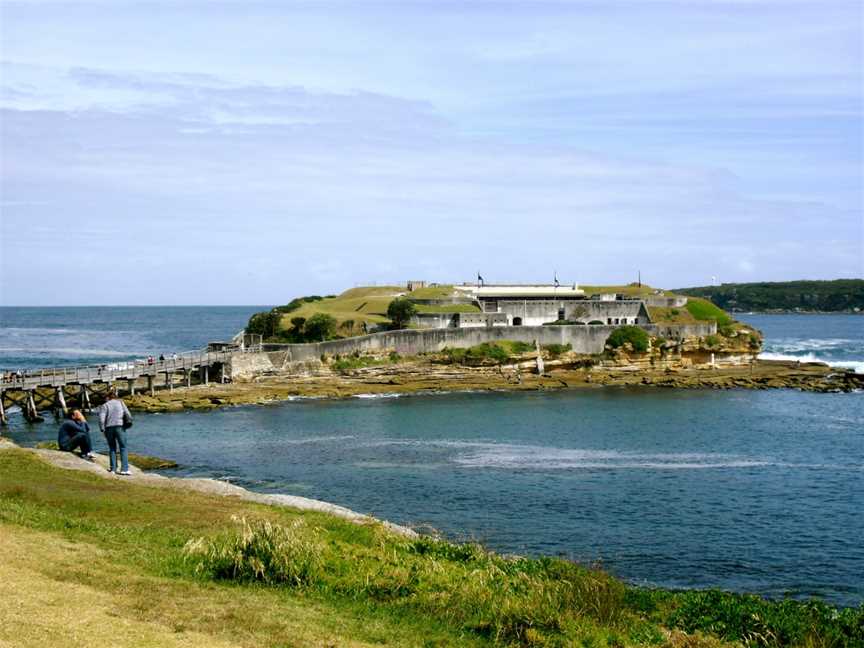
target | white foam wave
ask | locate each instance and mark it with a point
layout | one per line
(538, 458)
(856, 365)
(101, 353)
(374, 396)
(321, 439)
(791, 345)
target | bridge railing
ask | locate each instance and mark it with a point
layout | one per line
(121, 370)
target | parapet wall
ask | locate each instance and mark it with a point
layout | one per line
(583, 339)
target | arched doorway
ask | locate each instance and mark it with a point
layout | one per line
(517, 321)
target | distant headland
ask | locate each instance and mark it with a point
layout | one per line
(835, 296)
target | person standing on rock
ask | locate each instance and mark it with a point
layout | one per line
(114, 420)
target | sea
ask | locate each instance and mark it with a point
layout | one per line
(756, 491)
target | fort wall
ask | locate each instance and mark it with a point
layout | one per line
(583, 339)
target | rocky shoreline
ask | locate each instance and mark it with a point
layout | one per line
(424, 376)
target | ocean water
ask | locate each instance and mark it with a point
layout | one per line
(70, 335)
(745, 490)
(837, 340)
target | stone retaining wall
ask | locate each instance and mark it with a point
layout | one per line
(583, 339)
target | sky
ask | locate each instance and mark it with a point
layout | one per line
(250, 152)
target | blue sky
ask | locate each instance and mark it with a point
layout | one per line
(242, 152)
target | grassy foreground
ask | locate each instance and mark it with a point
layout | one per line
(89, 561)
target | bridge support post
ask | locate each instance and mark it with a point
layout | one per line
(188, 375)
(206, 370)
(61, 401)
(31, 414)
(169, 381)
(150, 386)
(85, 399)
(131, 383)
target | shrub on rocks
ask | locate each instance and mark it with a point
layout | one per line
(635, 336)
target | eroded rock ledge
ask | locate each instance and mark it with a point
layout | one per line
(429, 375)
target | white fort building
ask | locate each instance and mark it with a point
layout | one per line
(483, 305)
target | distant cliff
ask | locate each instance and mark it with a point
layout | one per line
(839, 295)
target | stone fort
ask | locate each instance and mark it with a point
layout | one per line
(509, 305)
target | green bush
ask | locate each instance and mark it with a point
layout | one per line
(260, 551)
(520, 347)
(355, 361)
(400, 311)
(596, 323)
(493, 352)
(555, 350)
(770, 624)
(727, 330)
(712, 341)
(320, 327)
(636, 336)
(265, 324)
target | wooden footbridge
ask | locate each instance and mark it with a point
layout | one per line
(56, 389)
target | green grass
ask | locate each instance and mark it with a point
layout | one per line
(347, 364)
(218, 570)
(432, 292)
(703, 310)
(447, 308)
(632, 290)
(362, 304)
(663, 315)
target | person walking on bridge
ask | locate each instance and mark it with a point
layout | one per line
(114, 420)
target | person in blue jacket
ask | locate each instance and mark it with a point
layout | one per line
(74, 434)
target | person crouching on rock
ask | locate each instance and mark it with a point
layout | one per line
(74, 434)
(114, 420)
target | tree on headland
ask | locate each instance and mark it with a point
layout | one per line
(265, 324)
(320, 327)
(400, 312)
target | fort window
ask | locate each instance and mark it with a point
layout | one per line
(560, 314)
(517, 321)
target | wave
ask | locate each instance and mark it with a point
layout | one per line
(373, 396)
(792, 345)
(77, 352)
(856, 365)
(532, 458)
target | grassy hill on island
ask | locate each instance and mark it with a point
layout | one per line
(839, 295)
(351, 313)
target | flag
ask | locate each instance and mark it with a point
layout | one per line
(480, 279)
(556, 279)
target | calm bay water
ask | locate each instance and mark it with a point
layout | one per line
(745, 490)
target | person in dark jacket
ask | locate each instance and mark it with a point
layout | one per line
(74, 434)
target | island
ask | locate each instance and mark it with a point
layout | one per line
(424, 337)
